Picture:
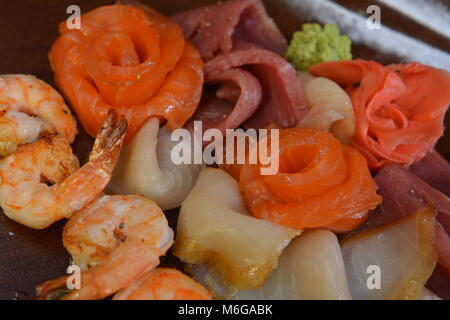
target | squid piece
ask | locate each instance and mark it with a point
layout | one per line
(145, 167)
(330, 107)
(392, 261)
(217, 235)
(311, 268)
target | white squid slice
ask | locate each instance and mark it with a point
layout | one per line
(145, 167)
(330, 107)
(392, 261)
(311, 268)
(216, 234)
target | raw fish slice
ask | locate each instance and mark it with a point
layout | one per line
(215, 230)
(401, 255)
(310, 268)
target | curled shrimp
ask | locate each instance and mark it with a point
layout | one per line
(29, 109)
(164, 284)
(41, 182)
(114, 240)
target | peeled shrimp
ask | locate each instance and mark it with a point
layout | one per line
(330, 107)
(145, 167)
(164, 284)
(29, 109)
(216, 232)
(25, 194)
(115, 240)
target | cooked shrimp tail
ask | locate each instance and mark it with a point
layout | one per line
(25, 195)
(164, 284)
(94, 176)
(114, 240)
(53, 290)
(110, 136)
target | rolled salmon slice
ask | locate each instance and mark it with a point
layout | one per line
(321, 183)
(130, 59)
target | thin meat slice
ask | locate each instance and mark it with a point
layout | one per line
(243, 48)
(239, 85)
(443, 246)
(216, 28)
(404, 193)
(282, 100)
(439, 282)
(435, 171)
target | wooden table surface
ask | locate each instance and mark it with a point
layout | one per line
(27, 31)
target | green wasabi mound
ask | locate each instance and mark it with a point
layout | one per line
(315, 44)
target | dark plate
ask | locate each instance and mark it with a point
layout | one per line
(28, 28)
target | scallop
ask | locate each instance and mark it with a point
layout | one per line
(311, 268)
(227, 248)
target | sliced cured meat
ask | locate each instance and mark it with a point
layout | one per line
(439, 282)
(243, 49)
(215, 29)
(220, 113)
(280, 94)
(403, 193)
(435, 171)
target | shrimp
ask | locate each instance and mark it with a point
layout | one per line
(41, 182)
(164, 284)
(29, 109)
(330, 107)
(114, 240)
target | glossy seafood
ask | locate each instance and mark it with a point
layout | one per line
(215, 231)
(133, 60)
(329, 107)
(30, 109)
(41, 182)
(146, 167)
(321, 183)
(310, 268)
(115, 240)
(164, 284)
(397, 258)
